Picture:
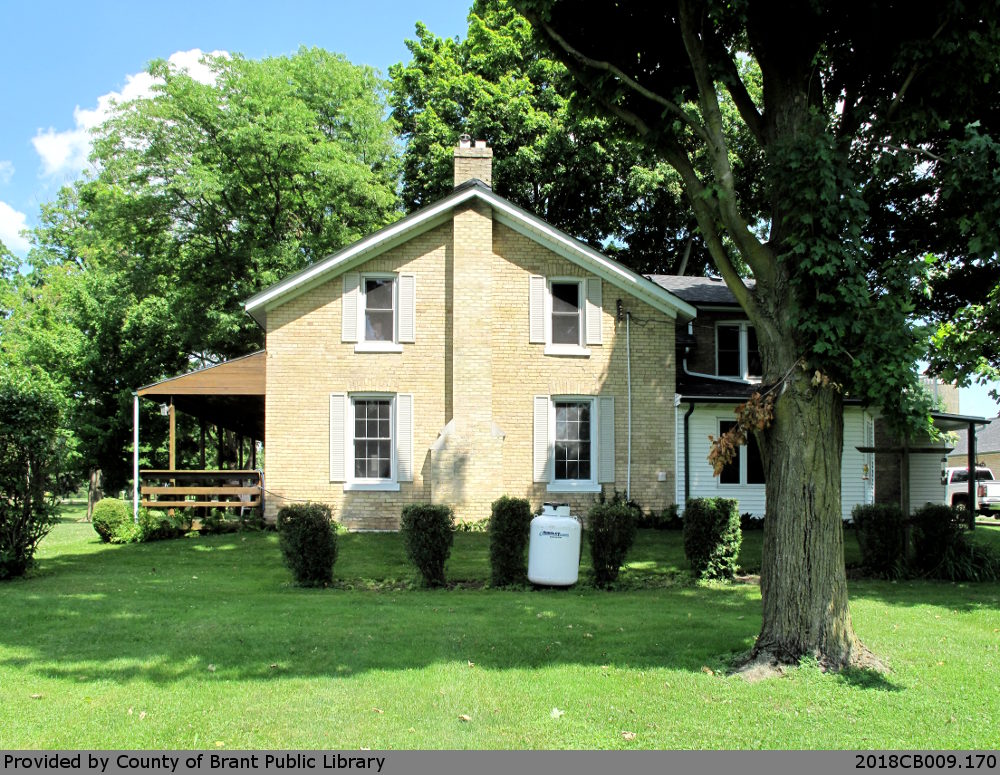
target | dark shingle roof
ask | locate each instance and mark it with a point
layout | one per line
(987, 439)
(696, 290)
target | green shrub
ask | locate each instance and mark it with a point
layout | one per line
(161, 526)
(108, 516)
(308, 541)
(510, 524)
(214, 522)
(712, 537)
(881, 537)
(610, 531)
(32, 449)
(428, 533)
(942, 549)
(668, 519)
(127, 532)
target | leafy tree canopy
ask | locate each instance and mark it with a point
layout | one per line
(201, 196)
(871, 123)
(577, 170)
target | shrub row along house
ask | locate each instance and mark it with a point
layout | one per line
(471, 350)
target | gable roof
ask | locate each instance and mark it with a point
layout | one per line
(505, 212)
(698, 290)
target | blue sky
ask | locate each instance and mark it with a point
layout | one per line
(60, 61)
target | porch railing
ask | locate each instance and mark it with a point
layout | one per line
(165, 489)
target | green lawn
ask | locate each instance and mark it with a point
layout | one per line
(204, 643)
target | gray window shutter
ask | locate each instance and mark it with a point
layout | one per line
(541, 441)
(536, 310)
(404, 437)
(338, 437)
(606, 439)
(349, 302)
(407, 307)
(594, 316)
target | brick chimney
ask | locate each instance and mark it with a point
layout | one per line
(473, 161)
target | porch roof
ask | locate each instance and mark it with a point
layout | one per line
(230, 394)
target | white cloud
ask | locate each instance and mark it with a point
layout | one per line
(65, 153)
(6, 171)
(11, 223)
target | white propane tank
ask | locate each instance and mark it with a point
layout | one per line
(554, 547)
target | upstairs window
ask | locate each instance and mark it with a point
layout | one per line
(379, 305)
(736, 351)
(567, 313)
(379, 311)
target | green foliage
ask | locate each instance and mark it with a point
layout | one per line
(881, 536)
(160, 526)
(215, 522)
(308, 543)
(942, 549)
(509, 528)
(611, 528)
(712, 537)
(668, 519)
(30, 416)
(552, 157)
(202, 195)
(428, 534)
(108, 514)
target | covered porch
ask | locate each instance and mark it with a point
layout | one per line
(228, 396)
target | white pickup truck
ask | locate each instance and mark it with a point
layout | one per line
(956, 482)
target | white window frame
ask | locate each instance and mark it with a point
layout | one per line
(574, 485)
(370, 484)
(744, 326)
(743, 453)
(370, 345)
(578, 350)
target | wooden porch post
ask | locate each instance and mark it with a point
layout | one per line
(201, 445)
(253, 453)
(240, 443)
(218, 456)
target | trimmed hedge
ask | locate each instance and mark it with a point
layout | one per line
(943, 551)
(882, 538)
(308, 541)
(509, 528)
(428, 533)
(610, 530)
(712, 537)
(108, 519)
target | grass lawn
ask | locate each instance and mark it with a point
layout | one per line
(204, 643)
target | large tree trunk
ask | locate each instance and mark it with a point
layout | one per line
(803, 584)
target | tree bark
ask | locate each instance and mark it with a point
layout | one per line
(803, 583)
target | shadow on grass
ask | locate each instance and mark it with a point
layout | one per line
(867, 679)
(223, 607)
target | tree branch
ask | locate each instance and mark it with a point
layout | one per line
(742, 99)
(597, 64)
(910, 76)
(718, 152)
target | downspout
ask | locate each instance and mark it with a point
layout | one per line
(135, 458)
(687, 454)
(972, 475)
(628, 381)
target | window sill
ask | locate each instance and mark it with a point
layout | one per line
(371, 487)
(378, 347)
(568, 486)
(567, 351)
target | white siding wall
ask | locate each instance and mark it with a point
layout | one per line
(925, 480)
(856, 483)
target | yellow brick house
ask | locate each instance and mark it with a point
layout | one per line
(468, 351)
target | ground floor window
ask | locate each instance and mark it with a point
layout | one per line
(747, 467)
(372, 439)
(573, 452)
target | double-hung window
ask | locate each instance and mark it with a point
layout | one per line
(574, 442)
(747, 467)
(379, 311)
(371, 440)
(736, 352)
(565, 314)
